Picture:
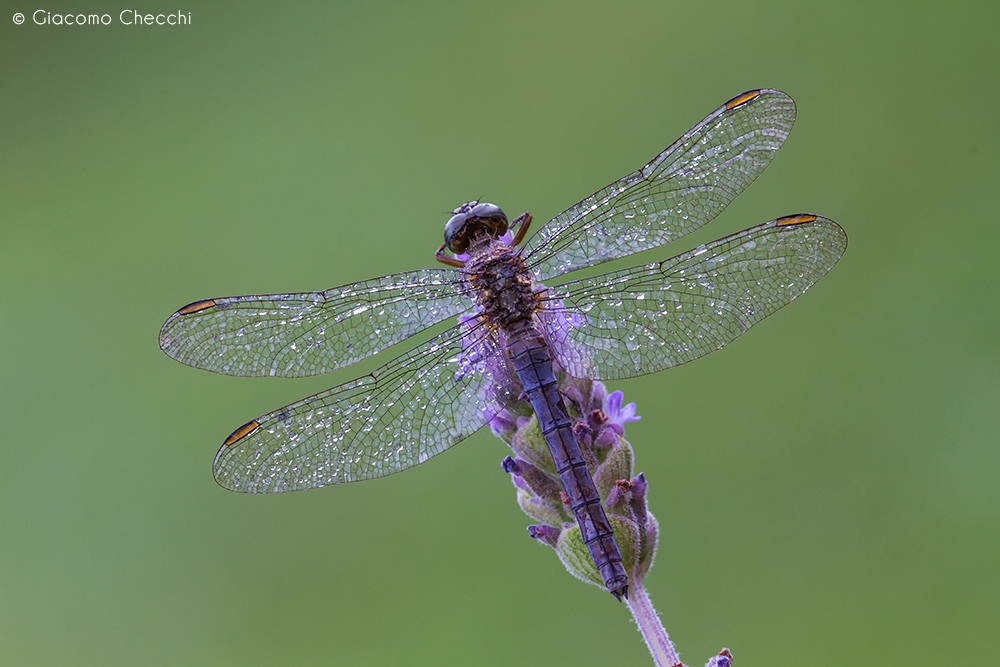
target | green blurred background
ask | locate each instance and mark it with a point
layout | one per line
(826, 486)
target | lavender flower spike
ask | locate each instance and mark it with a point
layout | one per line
(599, 425)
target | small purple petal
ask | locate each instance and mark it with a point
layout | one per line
(614, 402)
(618, 414)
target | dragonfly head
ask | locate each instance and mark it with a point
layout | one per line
(471, 219)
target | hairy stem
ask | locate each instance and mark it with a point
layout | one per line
(653, 632)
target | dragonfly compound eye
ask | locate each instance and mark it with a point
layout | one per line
(471, 218)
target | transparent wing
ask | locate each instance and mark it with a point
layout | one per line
(294, 335)
(652, 317)
(680, 190)
(402, 414)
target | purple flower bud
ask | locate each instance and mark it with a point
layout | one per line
(618, 498)
(724, 659)
(510, 467)
(546, 534)
(504, 425)
(530, 478)
(638, 500)
(607, 434)
(606, 417)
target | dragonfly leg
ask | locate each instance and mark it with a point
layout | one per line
(445, 259)
(525, 221)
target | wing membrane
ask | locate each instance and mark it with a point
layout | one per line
(401, 414)
(647, 318)
(680, 190)
(294, 335)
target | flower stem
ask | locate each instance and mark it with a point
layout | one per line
(652, 629)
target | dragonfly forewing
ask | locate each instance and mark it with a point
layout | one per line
(295, 335)
(678, 191)
(397, 416)
(651, 317)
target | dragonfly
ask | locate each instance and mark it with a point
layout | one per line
(515, 331)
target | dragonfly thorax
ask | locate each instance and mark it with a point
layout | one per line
(501, 284)
(472, 219)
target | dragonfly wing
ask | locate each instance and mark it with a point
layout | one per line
(680, 190)
(651, 317)
(294, 335)
(401, 414)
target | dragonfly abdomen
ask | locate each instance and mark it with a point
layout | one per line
(530, 358)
